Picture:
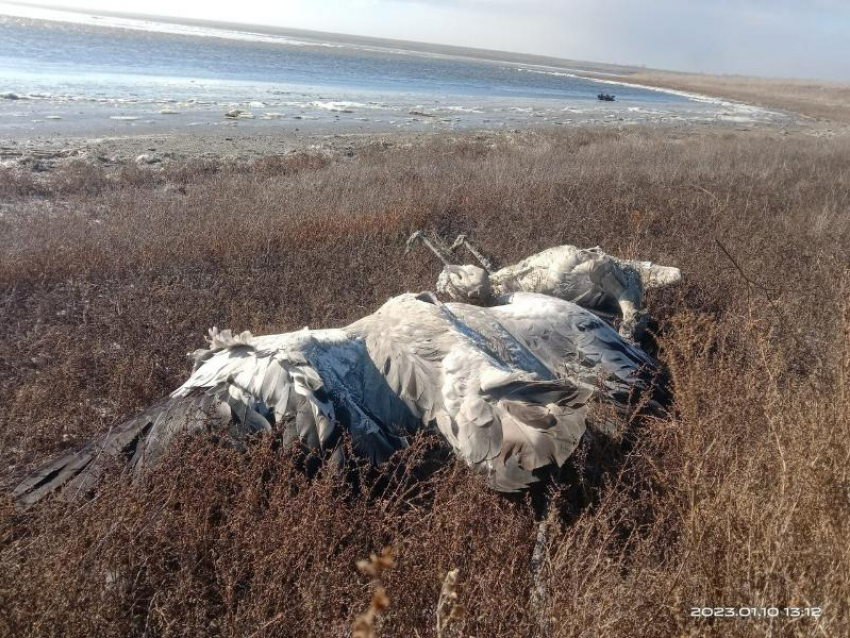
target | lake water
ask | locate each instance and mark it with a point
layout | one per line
(94, 74)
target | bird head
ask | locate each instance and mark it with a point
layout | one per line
(655, 276)
(465, 283)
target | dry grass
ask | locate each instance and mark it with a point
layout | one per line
(814, 98)
(740, 498)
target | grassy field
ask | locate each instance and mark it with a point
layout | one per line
(739, 498)
(813, 98)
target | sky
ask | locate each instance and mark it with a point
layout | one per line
(773, 38)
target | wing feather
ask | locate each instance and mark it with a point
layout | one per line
(236, 391)
(576, 344)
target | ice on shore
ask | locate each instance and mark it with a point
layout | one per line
(462, 109)
(239, 114)
(334, 107)
(344, 106)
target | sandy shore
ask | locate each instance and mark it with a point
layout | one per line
(44, 149)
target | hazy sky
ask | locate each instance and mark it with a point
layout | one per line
(785, 38)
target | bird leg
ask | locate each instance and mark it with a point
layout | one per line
(630, 297)
(485, 263)
(430, 244)
(539, 593)
(441, 246)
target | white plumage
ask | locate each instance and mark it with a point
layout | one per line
(609, 286)
(509, 387)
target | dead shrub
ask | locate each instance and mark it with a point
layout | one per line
(738, 498)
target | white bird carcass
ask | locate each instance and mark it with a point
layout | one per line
(609, 286)
(509, 387)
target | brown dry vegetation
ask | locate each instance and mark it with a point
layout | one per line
(740, 498)
(814, 98)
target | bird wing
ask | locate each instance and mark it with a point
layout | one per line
(499, 407)
(407, 340)
(574, 343)
(491, 378)
(241, 386)
(507, 422)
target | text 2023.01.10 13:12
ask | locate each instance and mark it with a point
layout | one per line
(756, 612)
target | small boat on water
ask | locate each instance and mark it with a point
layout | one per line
(605, 97)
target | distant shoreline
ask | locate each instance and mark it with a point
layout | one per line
(809, 98)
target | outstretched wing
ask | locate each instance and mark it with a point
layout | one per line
(507, 386)
(140, 441)
(240, 387)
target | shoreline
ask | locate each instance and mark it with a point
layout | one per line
(23, 116)
(807, 99)
(519, 92)
(697, 97)
(45, 152)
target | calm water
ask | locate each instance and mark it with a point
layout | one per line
(148, 74)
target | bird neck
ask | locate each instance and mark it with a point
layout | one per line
(494, 289)
(497, 284)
